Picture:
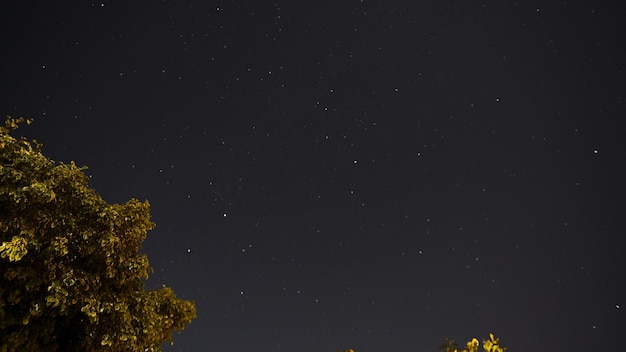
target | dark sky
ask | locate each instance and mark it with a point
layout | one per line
(375, 175)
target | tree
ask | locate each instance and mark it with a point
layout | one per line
(70, 268)
(489, 345)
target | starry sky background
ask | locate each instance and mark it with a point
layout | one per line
(375, 175)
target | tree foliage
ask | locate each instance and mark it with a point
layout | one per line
(70, 268)
(489, 345)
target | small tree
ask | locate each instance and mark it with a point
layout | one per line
(489, 345)
(70, 268)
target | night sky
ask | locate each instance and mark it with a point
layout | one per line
(375, 175)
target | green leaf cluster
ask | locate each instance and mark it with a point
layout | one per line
(492, 344)
(70, 268)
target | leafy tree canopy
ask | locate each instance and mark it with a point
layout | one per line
(70, 268)
(489, 345)
(492, 344)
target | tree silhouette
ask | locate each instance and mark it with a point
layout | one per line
(70, 268)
